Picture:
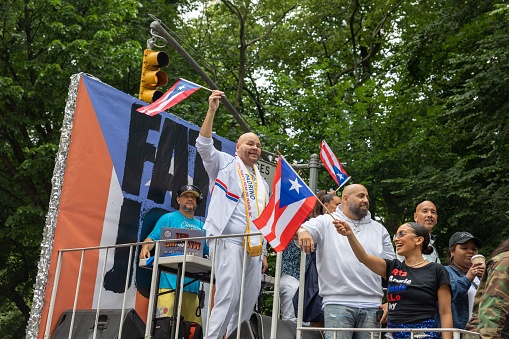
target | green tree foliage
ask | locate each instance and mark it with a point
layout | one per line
(411, 95)
(42, 44)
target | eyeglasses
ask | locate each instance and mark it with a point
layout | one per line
(400, 234)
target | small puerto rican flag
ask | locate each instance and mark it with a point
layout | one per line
(178, 92)
(332, 164)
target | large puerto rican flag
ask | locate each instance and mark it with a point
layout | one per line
(331, 162)
(290, 204)
(178, 92)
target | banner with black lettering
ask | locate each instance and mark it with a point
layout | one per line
(120, 174)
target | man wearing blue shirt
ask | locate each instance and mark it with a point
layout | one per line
(188, 198)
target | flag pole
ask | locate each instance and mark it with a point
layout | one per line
(276, 305)
(343, 184)
(321, 203)
(208, 89)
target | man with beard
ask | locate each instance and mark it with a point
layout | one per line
(351, 293)
(239, 194)
(426, 214)
(188, 197)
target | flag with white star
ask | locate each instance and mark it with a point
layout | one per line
(332, 164)
(290, 204)
(178, 92)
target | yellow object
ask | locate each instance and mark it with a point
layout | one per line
(151, 75)
(189, 305)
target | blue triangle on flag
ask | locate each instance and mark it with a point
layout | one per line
(293, 189)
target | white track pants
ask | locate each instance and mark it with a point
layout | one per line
(228, 274)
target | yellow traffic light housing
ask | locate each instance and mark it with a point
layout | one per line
(151, 75)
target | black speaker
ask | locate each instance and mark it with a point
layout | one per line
(107, 327)
(246, 331)
(259, 327)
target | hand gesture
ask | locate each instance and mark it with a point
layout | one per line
(476, 270)
(306, 242)
(342, 227)
(214, 100)
(144, 253)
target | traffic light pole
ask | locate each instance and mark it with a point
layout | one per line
(158, 28)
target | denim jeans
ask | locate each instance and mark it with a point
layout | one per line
(338, 316)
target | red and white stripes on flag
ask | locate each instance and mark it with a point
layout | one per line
(178, 92)
(290, 204)
(332, 164)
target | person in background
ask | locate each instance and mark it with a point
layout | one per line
(188, 198)
(426, 214)
(290, 265)
(415, 286)
(463, 275)
(239, 194)
(330, 200)
(490, 315)
(351, 293)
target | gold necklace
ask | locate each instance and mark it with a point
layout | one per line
(415, 264)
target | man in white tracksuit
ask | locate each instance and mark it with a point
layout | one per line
(351, 292)
(239, 195)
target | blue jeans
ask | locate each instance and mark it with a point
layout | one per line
(338, 316)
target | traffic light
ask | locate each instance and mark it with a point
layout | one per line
(151, 75)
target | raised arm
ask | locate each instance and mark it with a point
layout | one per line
(206, 127)
(374, 263)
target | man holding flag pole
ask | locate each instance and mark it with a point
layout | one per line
(351, 293)
(239, 194)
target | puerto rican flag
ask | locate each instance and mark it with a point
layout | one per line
(290, 204)
(178, 92)
(333, 165)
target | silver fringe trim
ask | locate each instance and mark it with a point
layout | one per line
(33, 326)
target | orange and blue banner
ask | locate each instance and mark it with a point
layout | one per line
(122, 171)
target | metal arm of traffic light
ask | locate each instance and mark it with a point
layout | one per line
(157, 27)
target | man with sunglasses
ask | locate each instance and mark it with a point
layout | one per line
(351, 292)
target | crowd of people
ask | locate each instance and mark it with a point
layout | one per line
(364, 277)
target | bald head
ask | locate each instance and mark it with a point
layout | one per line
(355, 202)
(350, 189)
(248, 148)
(426, 214)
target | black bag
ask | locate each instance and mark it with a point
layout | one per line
(312, 300)
(187, 329)
(196, 331)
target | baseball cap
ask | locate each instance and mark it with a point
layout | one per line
(463, 237)
(189, 188)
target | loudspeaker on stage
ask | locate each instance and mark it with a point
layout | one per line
(107, 327)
